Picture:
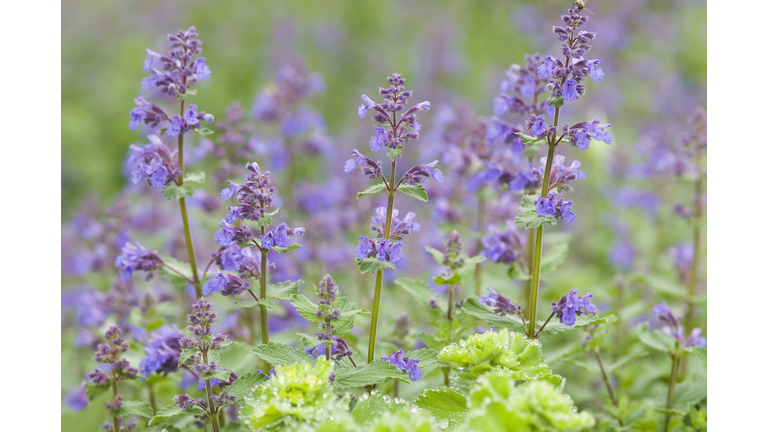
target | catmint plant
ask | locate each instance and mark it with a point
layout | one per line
(566, 84)
(394, 129)
(174, 74)
(245, 251)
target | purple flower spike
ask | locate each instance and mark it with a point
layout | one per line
(539, 126)
(571, 306)
(569, 91)
(503, 306)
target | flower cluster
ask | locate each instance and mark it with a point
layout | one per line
(569, 306)
(674, 328)
(400, 131)
(153, 162)
(180, 69)
(521, 85)
(504, 247)
(255, 196)
(557, 208)
(137, 258)
(228, 284)
(120, 369)
(382, 248)
(404, 364)
(293, 83)
(560, 175)
(279, 236)
(502, 305)
(162, 351)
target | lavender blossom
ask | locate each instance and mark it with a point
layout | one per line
(155, 162)
(229, 285)
(502, 305)
(162, 351)
(570, 306)
(505, 247)
(405, 364)
(137, 258)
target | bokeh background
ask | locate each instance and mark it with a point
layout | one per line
(452, 53)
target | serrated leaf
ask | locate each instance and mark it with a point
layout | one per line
(373, 266)
(347, 318)
(186, 354)
(395, 152)
(283, 290)
(282, 250)
(473, 307)
(414, 191)
(235, 427)
(555, 327)
(428, 360)
(554, 257)
(556, 102)
(662, 285)
(203, 131)
(533, 221)
(174, 191)
(686, 394)
(221, 375)
(171, 276)
(173, 411)
(279, 354)
(624, 360)
(306, 308)
(194, 177)
(444, 404)
(528, 139)
(136, 408)
(265, 221)
(372, 373)
(421, 294)
(93, 391)
(656, 339)
(373, 189)
(369, 409)
(701, 353)
(237, 358)
(243, 386)
(253, 303)
(436, 254)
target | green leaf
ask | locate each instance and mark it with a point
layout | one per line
(421, 293)
(701, 353)
(273, 212)
(556, 102)
(194, 177)
(373, 266)
(265, 221)
(686, 394)
(532, 220)
(436, 254)
(444, 404)
(554, 257)
(473, 307)
(93, 391)
(372, 373)
(347, 318)
(591, 367)
(243, 386)
(186, 354)
(662, 285)
(283, 290)
(528, 139)
(368, 409)
(656, 339)
(136, 408)
(624, 360)
(191, 92)
(282, 250)
(428, 360)
(414, 191)
(555, 327)
(171, 276)
(279, 354)
(174, 191)
(306, 308)
(173, 411)
(221, 375)
(203, 131)
(373, 189)
(253, 303)
(235, 427)
(395, 152)
(237, 358)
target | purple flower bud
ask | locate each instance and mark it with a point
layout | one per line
(379, 140)
(174, 128)
(368, 104)
(190, 115)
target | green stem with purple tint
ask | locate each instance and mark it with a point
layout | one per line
(671, 390)
(184, 217)
(211, 406)
(263, 308)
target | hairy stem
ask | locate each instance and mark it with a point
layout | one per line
(209, 393)
(480, 223)
(671, 391)
(263, 308)
(184, 218)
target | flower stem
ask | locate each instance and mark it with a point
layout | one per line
(184, 218)
(480, 223)
(607, 381)
(115, 422)
(536, 268)
(380, 274)
(152, 402)
(671, 391)
(209, 393)
(263, 308)
(694, 269)
(543, 325)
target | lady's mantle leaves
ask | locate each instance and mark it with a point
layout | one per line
(444, 404)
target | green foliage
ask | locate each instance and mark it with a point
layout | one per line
(281, 250)
(528, 139)
(93, 391)
(265, 221)
(395, 152)
(462, 274)
(373, 266)
(174, 191)
(171, 276)
(237, 358)
(556, 102)
(373, 189)
(444, 404)
(696, 418)
(428, 359)
(197, 177)
(204, 131)
(528, 215)
(656, 339)
(373, 373)
(497, 404)
(483, 353)
(221, 375)
(701, 353)
(135, 408)
(346, 320)
(279, 354)
(436, 254)
(244, 385)
(283, 290)
(173, 411)
(686, 394)
(414, 191)
(186, 354)
(422, 294)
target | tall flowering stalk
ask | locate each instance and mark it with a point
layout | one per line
(393, 131)
(238, 244)
(565, 85)
(180, 69)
